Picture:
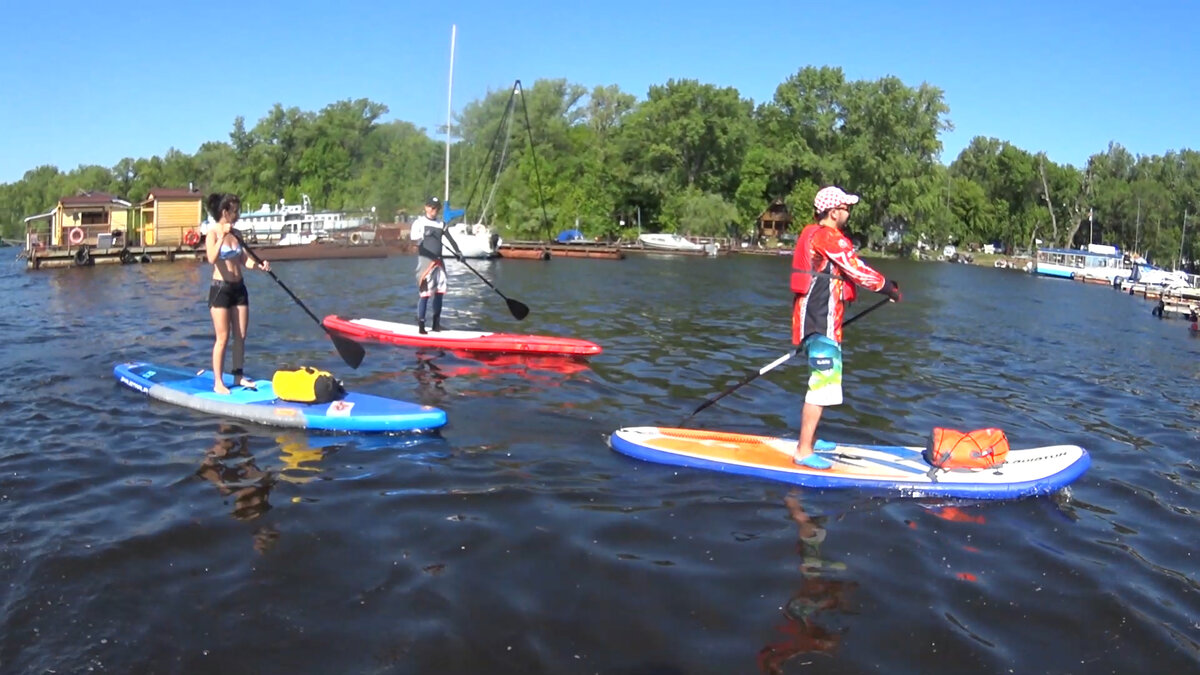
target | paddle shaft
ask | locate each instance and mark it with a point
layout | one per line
(350, 351)
(518, 309)
(282, 285)
(776, 363)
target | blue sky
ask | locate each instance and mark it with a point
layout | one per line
(90, 82)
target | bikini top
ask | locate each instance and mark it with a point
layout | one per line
(229, 252)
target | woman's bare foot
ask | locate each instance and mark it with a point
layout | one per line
(220, 388)
(248, 383)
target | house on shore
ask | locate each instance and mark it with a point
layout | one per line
(774, 221)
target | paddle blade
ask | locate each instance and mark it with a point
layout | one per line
(350, 351)
(518, 309)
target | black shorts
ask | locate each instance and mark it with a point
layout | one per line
(224, 294)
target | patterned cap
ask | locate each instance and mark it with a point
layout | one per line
(832, 197)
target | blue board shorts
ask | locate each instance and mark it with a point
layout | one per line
(825, 371)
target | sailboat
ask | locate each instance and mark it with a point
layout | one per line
(474, 240)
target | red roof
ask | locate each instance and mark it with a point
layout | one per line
(90, 199)
(172, 193)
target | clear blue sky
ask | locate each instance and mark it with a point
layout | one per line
(92, 82)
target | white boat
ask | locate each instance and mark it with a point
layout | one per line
(1097, 262)
(1152, 275)
(669, 241)
(289, 223)
(475, 241)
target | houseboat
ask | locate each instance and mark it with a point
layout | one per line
(291, 223)
(1097, 263)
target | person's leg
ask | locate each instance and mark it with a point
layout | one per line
(439, 291)
(239, 322)
(220, 319)
(422, 304)
(824, 389)
(810, 417)
(437, 311)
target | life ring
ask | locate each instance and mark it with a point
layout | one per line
(75, 236)
(356, 238)
(191, 238)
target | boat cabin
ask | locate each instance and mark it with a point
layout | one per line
(1097, 262)
(171, 217)
(91, 218)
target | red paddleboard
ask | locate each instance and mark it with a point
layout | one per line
(471, 341)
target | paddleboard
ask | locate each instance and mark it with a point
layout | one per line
(408, 334)
(354, 412)
(894, 469)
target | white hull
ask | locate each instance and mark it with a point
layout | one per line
(669, 242)
(475, 241)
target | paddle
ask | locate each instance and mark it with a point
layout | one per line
(519, 309)
(350, 351)
(775, 364)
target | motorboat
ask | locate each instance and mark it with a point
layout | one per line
(669, 241)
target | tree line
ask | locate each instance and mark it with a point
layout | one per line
(691, 157)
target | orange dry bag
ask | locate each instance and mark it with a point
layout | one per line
(979, 449)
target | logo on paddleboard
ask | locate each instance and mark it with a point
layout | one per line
(128, 382)
(339, 409)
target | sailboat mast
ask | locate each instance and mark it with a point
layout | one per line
(449, 93)
(1137, 228)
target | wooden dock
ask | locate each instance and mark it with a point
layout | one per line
(536, 250)
(51, 257)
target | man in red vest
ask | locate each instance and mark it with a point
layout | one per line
(824, 272)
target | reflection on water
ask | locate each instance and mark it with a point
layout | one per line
(813, 606)
(233, 469)
(515, 541)
(229, 465)
(301, 461)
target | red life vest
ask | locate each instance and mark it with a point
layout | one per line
(802, 279)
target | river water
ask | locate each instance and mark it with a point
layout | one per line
(138, 537)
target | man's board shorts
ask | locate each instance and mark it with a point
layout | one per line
(434, 281)
(825, 368)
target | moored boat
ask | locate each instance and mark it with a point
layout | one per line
(1098, 263)
(669, 241)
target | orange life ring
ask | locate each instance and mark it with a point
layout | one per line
(355, 238)
(75, 236)
(191, 238)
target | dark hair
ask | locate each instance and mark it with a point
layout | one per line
(220, 202)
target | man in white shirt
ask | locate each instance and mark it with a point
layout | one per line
(431, 271)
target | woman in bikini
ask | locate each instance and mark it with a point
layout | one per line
(228, 300)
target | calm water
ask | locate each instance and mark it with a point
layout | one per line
(143, 538)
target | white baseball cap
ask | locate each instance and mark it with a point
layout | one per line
(832, 197)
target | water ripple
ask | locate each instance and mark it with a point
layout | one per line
(141, 537)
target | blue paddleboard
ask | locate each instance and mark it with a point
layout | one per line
(353, 412)
(902, 470)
